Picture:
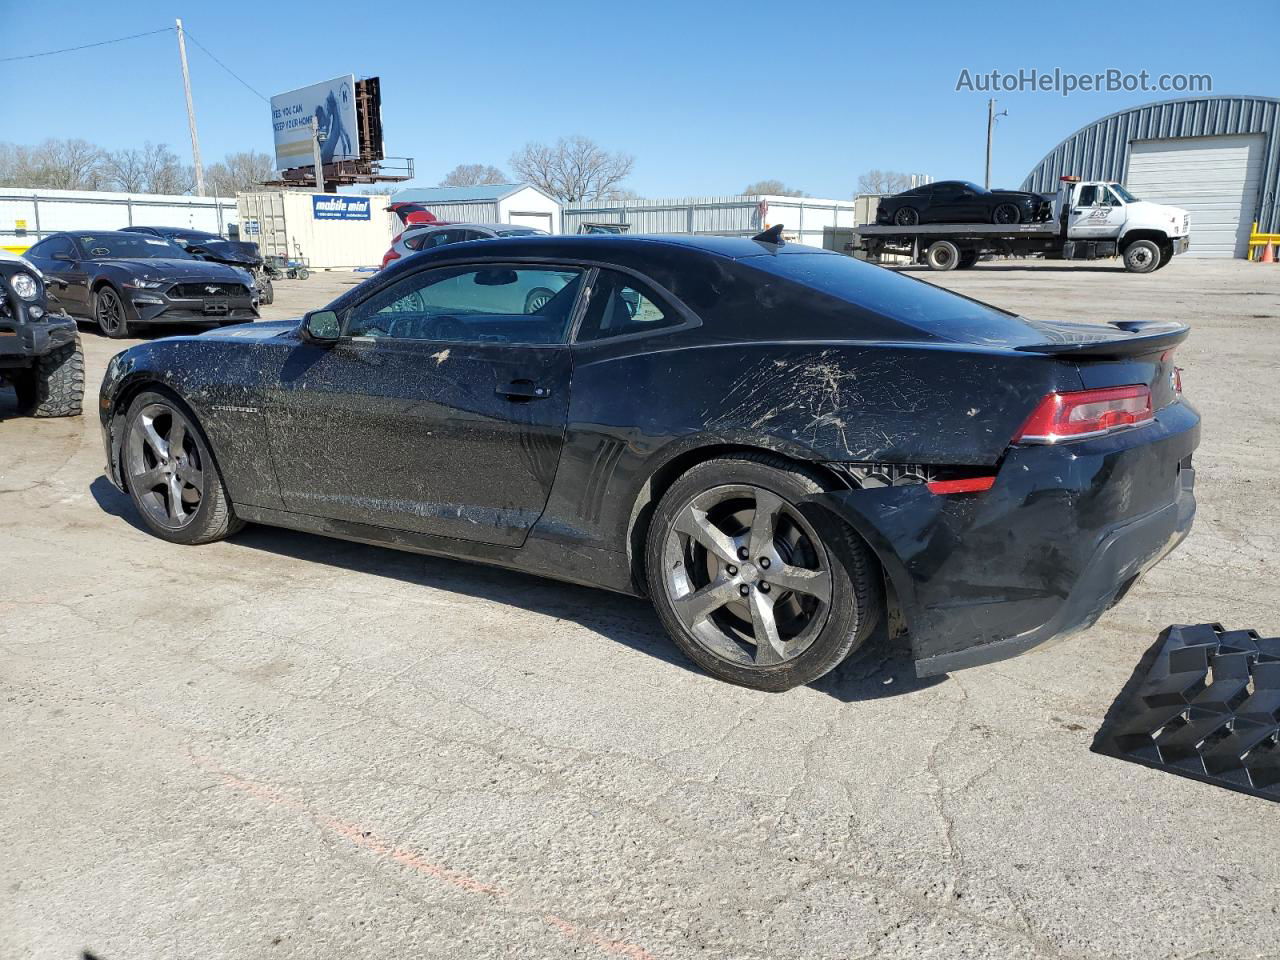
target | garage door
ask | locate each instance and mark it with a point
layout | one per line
(531, 219)
(1215, 178)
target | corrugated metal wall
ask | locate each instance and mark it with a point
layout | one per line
(472, 211)
(805, 217)
(1100, 151)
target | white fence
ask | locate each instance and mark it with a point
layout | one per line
(29, 215)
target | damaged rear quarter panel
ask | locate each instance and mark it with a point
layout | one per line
(635, 407)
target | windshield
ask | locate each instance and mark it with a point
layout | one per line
(1122, 193)
(130, 246)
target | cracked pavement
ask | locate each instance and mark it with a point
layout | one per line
(286, 746)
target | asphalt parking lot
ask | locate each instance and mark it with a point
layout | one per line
(285, 746)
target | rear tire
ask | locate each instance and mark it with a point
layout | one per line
(906, 217)
(171, 474)
(710, 561)
(942, 255)
(1142, 256)
(54, 387)
(967, 260)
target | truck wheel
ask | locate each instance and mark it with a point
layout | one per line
(942, 255)
(1142, 256)
(108, 311)
(1006, 213)
(54, 387)
(967, 260)
(906, 217)
(1166, 254)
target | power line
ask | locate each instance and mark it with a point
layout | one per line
(191, 37)
(86, 46)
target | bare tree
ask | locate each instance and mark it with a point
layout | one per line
(53, 165)
(883, 181)
(573, 169)
(238, 172)
(152, 169)
(471, 174)
(774, 188)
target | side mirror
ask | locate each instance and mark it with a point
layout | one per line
(322, 327)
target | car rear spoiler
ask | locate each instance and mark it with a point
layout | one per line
(1144, 336)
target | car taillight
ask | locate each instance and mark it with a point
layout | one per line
(1086, 413)
(391, 255)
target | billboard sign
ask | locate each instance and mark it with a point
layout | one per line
(333, 207)
(332, 105)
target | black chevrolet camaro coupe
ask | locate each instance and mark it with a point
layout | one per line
(958, 201)
(121, 280)
(776, 444)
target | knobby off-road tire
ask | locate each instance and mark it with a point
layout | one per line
(54, 387)
(171, 475)
(752, 588)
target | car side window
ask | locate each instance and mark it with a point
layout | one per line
(622, 305)
(946, 192)
(490, 303)
(48, 249)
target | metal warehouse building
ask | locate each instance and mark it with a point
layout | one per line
(1217, 157)
(515, 203)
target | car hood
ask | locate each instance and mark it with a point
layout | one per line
(233, 252)
(260, 330)
(176, 269)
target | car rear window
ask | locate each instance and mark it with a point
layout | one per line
(890, 294)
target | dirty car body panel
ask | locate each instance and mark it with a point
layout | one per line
(438, 442)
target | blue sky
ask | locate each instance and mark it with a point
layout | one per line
(708, 96)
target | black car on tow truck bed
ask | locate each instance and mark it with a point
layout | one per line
(39, 350)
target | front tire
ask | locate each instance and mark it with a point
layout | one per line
(267, 296)
(752, 588)
(170, 474)
(1142, 256)
(108, 313)
(1006, 213)
(54, 387)
(906, 217)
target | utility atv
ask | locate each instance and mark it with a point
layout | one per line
(40, 353)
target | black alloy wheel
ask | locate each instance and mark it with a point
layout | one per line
(108, 313)
(1007, 213)
(906, 217)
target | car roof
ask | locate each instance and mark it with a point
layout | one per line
(467, 225)
(589, 245)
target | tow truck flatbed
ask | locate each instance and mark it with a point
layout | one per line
(1046, 228)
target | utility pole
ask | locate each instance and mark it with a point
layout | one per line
(315, 155)
(991, 128)
(191, 112)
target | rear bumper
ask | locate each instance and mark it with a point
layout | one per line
(1063, 534)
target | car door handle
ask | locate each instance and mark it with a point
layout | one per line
(522, 390)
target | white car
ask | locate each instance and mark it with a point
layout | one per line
(424, 236)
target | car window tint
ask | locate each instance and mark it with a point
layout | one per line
(492, 303)
(621, 305)
(1088, 196)
(53, 245)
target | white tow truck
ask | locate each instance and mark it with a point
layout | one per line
(1094, 219)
